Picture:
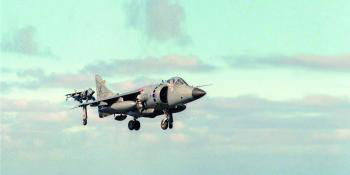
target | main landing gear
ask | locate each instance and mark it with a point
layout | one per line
(134, 125)
(167, 122)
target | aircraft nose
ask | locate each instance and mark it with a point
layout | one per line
(198, 93)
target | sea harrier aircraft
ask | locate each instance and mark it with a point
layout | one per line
(165, 98)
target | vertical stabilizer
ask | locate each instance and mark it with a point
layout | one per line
(101, 89)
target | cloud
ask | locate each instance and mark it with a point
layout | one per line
(178, 137)
(68, 80)
(24, 41)
(25, 105)
(150, 65)
(4, 70)
(310, 62)
(313, 125)
(37, 78)
(245, 126)
(342, 134)
(30, 73)
(77, 129)
(149, 137)
(123, 86)
(159, 19)
(171, 64)
(39, 110)
(316, 111)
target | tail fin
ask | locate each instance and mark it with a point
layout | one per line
(102, 90)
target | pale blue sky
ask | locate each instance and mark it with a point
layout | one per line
(279, 103)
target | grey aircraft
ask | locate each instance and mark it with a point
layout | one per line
(165, 98)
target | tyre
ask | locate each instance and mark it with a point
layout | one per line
(164, 124)
(120, 117)
(137, 125)
(131, 125)
(84, 122)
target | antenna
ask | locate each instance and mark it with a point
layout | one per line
(204, 85)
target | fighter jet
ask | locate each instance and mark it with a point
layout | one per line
(165, 98)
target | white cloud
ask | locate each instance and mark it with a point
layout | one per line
(78, 129)
(150, 65)
(40, 110)
(336, 135)
(24, 41)
(343, 134)
(310, 62)
(179, 137)
(62, 116)
(161, 20)
(149, 137)
(179, 125)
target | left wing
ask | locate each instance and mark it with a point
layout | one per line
(132, 95)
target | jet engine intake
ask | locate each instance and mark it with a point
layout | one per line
(158, 96)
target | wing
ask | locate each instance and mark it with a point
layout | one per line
(132, 95)
(106, 96)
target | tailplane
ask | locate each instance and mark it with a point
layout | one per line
(101, 89)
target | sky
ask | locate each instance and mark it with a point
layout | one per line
(279, 102)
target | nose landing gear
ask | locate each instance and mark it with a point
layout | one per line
(164, 124)
(167, 122)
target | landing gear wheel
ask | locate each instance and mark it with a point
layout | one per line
(131, 125)
(137, 125)
(120, 117)
(170, 125)
(134, 125)
(164, 124)
(84, 121)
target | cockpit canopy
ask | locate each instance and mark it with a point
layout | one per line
(177, 81)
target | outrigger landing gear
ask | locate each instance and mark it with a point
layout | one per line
(168, 121)
(134, 125)
(85, 115)
(84, 122)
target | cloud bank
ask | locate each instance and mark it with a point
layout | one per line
(308, 62)
(173, 64)
(24, 41)
(150, 65)
(161, 20)
(234, 131)
(32, 79)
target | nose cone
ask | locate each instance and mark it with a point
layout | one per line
(198, 93)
